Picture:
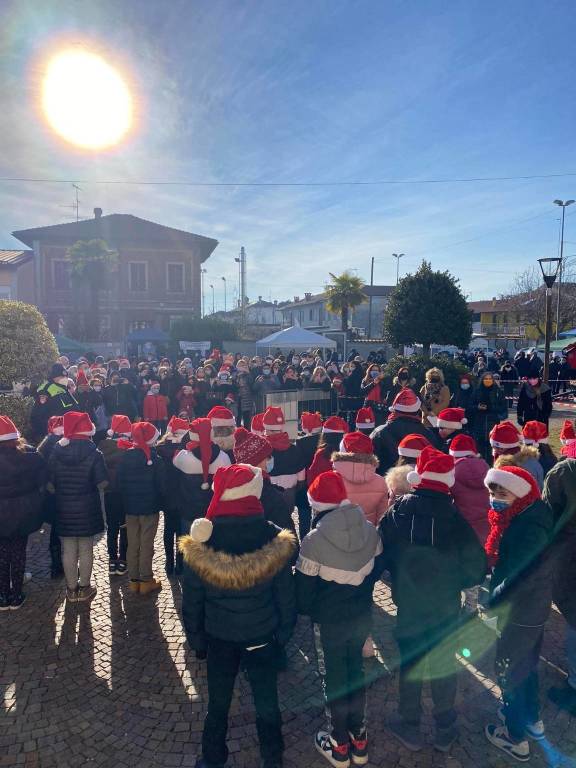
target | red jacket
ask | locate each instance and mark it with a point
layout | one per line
(155, 408)
(320, 463)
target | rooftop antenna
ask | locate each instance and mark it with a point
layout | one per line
(76, 204)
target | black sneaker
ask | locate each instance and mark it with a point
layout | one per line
(17, 601)
(445, 737)
(4, 603)
(112, 568)
(336, 754)
(121, 567)
(407, 734)
(359, 748)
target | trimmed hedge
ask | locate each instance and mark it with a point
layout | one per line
(18, 409)
(27, 348)
(418, 365)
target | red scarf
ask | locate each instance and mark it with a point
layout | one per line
(375, 394)
(280, 441)
(499, 522)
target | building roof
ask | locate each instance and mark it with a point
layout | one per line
(119, 228)
(491, 305)
(15, 258)
(378, 290)
(315, 298)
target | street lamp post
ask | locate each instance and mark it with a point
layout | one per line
(203, 308)
(563, 204)
(397, 256)
(224, 279)
(211, 286)
(549, 269)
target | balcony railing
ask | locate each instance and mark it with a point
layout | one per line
(498, 330)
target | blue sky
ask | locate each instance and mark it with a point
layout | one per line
(313, 91)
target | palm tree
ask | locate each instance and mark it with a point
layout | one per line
(344, 293)
(92, 262)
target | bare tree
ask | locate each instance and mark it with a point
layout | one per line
(526, 298)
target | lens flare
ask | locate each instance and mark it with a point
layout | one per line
(85, 100)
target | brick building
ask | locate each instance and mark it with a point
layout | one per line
(157, 282)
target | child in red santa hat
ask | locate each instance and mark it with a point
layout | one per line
(338, 566)
(288, 470)
(76, 475)
(175, 439)
(238, 605)
(55, 432)
(521, 528)
(141, 480)
(432, 555)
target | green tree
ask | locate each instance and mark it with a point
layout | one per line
(428, 308)
(27, 348)
(205, 329)
(92, 263)
(344, 293)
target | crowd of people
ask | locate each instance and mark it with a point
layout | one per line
(438, 493)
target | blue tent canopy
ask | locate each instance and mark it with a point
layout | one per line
(147, 334)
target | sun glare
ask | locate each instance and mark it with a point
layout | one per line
(85, 100)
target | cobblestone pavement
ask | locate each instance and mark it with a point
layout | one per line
(112, 685)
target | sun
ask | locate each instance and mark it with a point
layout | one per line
(85, 100)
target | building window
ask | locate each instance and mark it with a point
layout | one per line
(138, 275)
(138, 325)
(175, 277)
(60, 274)
(311, 315)
(105, 327)
(320, 315)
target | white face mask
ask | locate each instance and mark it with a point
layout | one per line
(154, 390)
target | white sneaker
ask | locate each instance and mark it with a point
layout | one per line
(498, 736)
(27, 577)
(535, 731)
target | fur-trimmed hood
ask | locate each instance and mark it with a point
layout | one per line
(517, 459)
(356, 458)
(238, 572)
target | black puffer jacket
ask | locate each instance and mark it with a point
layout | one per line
(75, 471)
(522, 580)
(239, 586)
(276, 508)
(142, 485)
(167, 450)
(121, 399)
(22, 475)
(193, 500)
(432, 554)
(387, 437)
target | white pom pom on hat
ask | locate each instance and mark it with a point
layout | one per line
(201, 530)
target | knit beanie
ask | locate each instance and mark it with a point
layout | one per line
(250, 448)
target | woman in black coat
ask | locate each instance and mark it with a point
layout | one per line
(22, 476)
(534, 401)
(76, 474)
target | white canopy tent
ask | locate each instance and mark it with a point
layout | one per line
(295, 338)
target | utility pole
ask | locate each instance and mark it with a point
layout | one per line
(370, 299)
(203, 307)
(563, 204)
(77, 205)
(225, 302)
(211, 286)
(241, 261)
(397, 256)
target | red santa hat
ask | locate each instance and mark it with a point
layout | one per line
(201, 437)
(567, 433)
(570, 450)
(77, 426)
(327, 491)
(250, 448)
(356, 442)
(365, 419)
(515, 479)
(451, 418)
(406, 401)
(144, 436)
(335, 424)
(463, 445)
(237, 490)
(257, 424)
(221, 417)
(273, 419)
(56, 425)
(412, 446)
(505, 436)
(311, 423)
(434, 471)
(535, 433)
(8, 430)
(81, 380)
(178, 427)
(120, 425)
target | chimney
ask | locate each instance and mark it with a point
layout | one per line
(259, 298)
(97, 213)
(296, 299)
(307, 296)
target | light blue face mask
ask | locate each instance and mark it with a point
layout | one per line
(270, 464)
(499, 505)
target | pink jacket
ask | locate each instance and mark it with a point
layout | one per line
(470, 495)
(365, 488)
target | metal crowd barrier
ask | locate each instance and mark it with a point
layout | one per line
(294, 401)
